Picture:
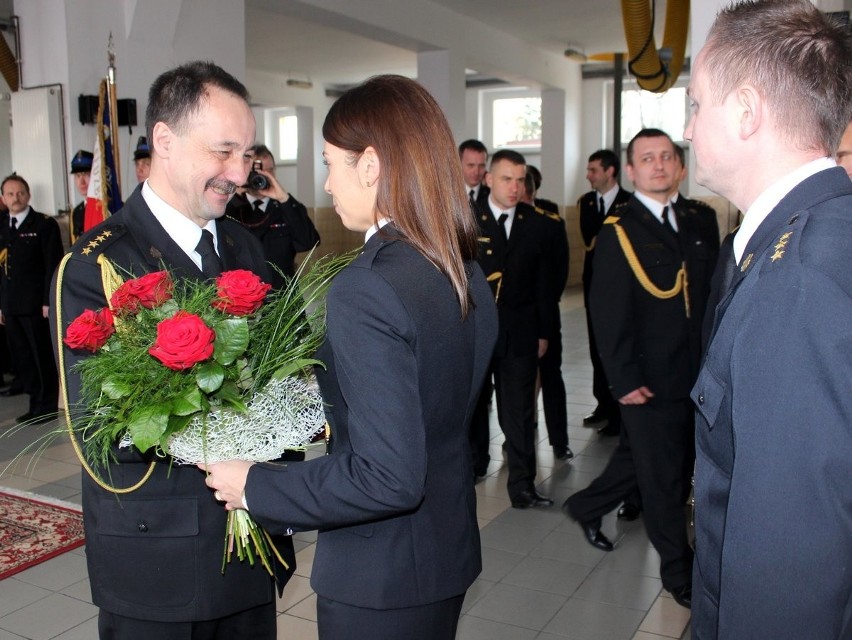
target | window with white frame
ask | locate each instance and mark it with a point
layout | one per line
(288, 138)
(511, 119)
(642, 109)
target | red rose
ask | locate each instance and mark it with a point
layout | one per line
(239, 292)
(149, 291)
(90, 330)
(182, 341)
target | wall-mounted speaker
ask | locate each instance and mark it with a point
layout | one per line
(88, 108)
(126, 112)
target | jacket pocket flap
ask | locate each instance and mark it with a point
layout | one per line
(149, 518)
(708, 394)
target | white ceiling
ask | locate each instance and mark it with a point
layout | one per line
(281, 38)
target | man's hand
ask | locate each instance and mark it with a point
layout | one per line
(228, 479)
(275, 190)
(45, 310)
(542, 347)
(637, 396)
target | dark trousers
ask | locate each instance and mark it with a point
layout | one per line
(258, 623)
(514, 382)
(32, 355)
(607, 405)
(479, 433)
(434, 621)
(650, 456)
(553, 393)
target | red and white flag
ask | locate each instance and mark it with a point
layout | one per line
(104, 195)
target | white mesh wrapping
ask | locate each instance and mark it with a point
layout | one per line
(285, 415)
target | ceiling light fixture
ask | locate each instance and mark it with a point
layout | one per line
(300, 84)
(575, 53)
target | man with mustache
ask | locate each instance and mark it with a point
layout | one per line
(154, 554)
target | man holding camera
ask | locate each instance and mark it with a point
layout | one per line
(274, 216)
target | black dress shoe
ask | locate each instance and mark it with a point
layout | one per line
(563, 453)
(595, 416)
(35, 418)
(683, 595)
(527, 499)
(595, 536)
(608, 430)
(628, 512)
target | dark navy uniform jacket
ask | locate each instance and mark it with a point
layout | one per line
(393, 502)
(773, 484)
(155, 553)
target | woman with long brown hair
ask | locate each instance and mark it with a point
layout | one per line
(411, 328)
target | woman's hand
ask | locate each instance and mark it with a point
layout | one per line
(228, 481)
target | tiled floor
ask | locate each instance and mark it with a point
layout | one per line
(540, 578)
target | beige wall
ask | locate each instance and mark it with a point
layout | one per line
(337, 239)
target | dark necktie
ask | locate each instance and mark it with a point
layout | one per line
(258, 206)
(602, 206)
(14, 222)
(211, 266)
(667, 223)
(472, 200)
(502, 222)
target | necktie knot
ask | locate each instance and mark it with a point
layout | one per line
(14, 222)
(211, 266)
(258, 205)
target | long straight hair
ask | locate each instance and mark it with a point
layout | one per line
(420, 188)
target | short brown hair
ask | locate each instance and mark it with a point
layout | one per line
(798, 59)
(14, 178)
(420, 188)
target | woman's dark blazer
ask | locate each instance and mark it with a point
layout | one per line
(394, 501)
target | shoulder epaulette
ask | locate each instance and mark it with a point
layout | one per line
(548, 214)
(98, 242)
(611, 219)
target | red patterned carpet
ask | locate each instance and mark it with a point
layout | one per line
(32, 531)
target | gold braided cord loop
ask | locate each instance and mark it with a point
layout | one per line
(63, 384)
(681, 282)
(591, 246)
(109, 277)
(498, 276)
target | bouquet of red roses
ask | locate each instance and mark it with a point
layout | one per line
(199, 372)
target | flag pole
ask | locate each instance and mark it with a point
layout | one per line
(113, 111)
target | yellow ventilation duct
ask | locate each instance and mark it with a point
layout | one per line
(651, 72)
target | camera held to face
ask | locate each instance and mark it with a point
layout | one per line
(257, 181)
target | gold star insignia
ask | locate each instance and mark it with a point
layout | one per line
(746, 262)
(106, 234)
(86, 251)
(777, 255)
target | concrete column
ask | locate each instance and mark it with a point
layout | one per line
(442, 73)
(306, 180)
(554, 126)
